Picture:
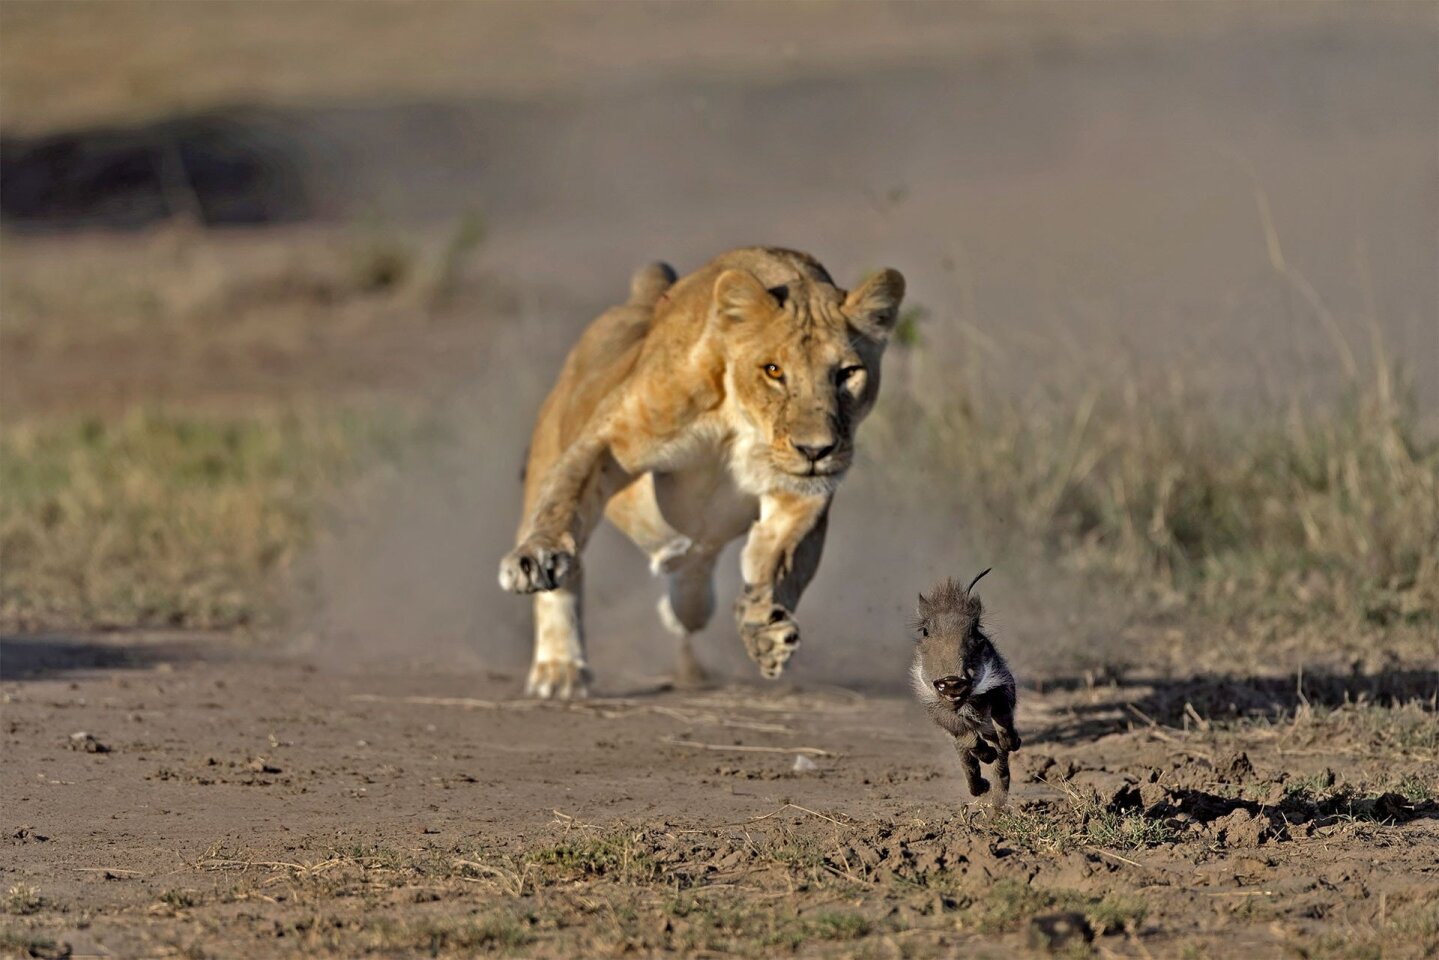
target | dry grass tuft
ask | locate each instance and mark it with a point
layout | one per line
(162, 519)
(22, 899)
(1319, 515)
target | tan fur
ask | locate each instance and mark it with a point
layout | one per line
(665, 419)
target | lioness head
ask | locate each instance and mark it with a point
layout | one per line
(801, 370)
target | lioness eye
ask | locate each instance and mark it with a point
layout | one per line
(924, 631)
(773, 371)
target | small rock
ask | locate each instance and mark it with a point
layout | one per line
(87, 742)
(1241, 829)
(1043, 763)
(1054, 931)
(867, 853)
(803, 764)
(1235, 768)
(1153, 797)
(1273, 795)
(50, 950)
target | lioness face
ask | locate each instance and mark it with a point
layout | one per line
(802, 370)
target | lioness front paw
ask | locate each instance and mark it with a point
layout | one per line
(770, 642)
(536, 564)
(558, 680)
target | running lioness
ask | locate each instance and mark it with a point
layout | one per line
(700, 410)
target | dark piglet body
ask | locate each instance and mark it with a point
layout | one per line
(964, 682)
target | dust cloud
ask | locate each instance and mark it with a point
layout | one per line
(1083, 215)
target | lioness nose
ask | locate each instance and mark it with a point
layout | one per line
(815, 452)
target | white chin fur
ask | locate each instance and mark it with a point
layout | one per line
(922, 689)
(810, 485)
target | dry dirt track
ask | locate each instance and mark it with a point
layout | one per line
(247, 806)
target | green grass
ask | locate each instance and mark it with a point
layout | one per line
(616, 855)
(1117, 912)
(838, 926)
(1416, 790)
(1079, 821)
(176, 520)
(1008, 902)
(179, 899)
(495, 932)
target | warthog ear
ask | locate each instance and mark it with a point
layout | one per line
(740, 296)
(873, 306)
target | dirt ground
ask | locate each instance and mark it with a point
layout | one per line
(1078, 194)
(242, 805)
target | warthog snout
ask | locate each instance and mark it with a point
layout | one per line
(952, 687)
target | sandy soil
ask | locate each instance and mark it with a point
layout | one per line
(246, 806)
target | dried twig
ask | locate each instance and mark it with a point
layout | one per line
(1106, 853)
(741, 748)
(605, 709)
(513, 881)
(268, 864)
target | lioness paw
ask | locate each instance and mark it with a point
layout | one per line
(770, 641)
(535, 565)
(558, 680)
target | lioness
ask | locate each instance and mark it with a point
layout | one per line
(698, 410)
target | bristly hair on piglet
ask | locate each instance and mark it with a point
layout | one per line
(964, 682)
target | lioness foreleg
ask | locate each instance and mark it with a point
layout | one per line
(571, 500)
(547, 562)
(560, 668)
(779, 560)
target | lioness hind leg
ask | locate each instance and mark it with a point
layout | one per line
(685, 608)
(560, 670)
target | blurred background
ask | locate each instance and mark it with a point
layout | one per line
(283, 285)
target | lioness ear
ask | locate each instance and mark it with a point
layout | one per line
(873, 306)
(739, 295)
